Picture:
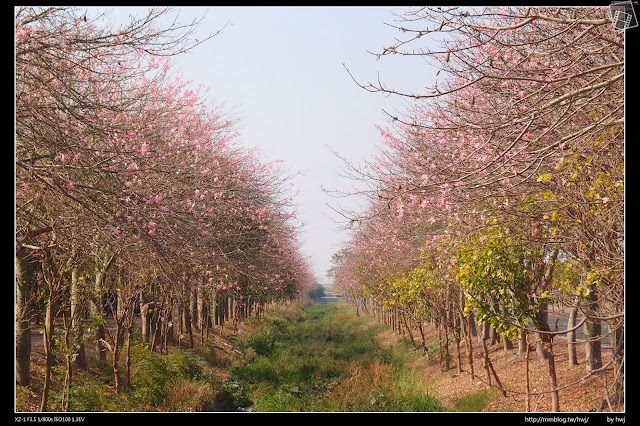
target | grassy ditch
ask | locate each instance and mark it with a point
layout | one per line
(324, 359)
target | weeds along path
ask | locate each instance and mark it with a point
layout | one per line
(324, 358)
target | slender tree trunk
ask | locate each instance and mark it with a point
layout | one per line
(522, 342)
(68, 376)
(487, 370)
(495, 337)
(526, 366)
(168, 330)
(545, 352)
(202, 314)
(472, 325)
(592, 334)
(116, 358)
(553, 382)
(618, 361)
(23, 329)
(145, 319)
(76, 320)
(406, 324)
(48, 350)
(128, 360)
(188, 324)
(484, 331)
(219, 315)
(542, 324)
(157, 327)
(457, 337)
(193, 308)
(213, 307)
(507, 344)
(447, 363)
(571, 337)
(490, 370)
(424, 343)
(98, 316)
(200, 304)
(470, 350)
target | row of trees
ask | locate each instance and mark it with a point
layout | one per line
(131, 194)
(500, 189)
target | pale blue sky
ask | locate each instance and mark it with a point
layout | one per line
(280, 70)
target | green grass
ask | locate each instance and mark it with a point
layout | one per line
(326, 359)
(476, 401)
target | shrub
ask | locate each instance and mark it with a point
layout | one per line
(261, 342)
(156, 373)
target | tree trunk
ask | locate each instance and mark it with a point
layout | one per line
(459, 354)
(618, 361)
(490, 370)
(553, 382)
(229, 311)
(200, 304)
(188, 324)
(97, 314)
(48, 351)
(484, 331)
(424, 343)
(472, 325)
(213, 308)
(592, 330)
(507, 344)
(23, 330)
(218, 314)
(487, 370)
(157, 316)
(542, 323)
(116, 357)
(526, 371)
(447, 364)
(76, 320)
(522, 342)
(406, 324)
(193, 308)
(168, 330)
(571, 337)
(495, 337)
(146, 320)
(470, 351)
(545, 352)
(128, 360)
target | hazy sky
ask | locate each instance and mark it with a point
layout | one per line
(280, 69)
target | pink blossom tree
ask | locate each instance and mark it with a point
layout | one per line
(129, 183)
(526, 106)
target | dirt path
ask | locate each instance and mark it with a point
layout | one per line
(585, 393)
